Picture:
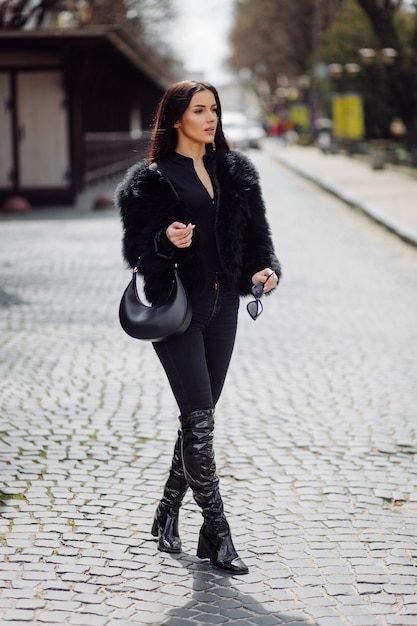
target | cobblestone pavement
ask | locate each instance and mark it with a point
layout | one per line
(316, 434)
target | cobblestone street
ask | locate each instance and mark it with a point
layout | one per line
(316, 433)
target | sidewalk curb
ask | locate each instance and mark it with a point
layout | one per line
(372, 211)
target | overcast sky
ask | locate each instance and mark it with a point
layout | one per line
(199, 35)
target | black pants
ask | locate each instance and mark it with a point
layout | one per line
(197, 361)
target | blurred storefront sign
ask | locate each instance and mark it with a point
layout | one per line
(300, 116)
(348, 116)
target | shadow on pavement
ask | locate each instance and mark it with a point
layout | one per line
(215, 596)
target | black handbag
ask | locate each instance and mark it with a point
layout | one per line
(159, 322)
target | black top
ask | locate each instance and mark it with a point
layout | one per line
(181, 173)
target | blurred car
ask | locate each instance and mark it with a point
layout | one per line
(255, 132)
(240, 131)
(235, 129)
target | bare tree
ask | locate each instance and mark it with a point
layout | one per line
(15, 14)
(143, 17)
(277, 37)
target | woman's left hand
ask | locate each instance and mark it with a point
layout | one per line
(267, 277)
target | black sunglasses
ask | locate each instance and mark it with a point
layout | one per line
(255, 307)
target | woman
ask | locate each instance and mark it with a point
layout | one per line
(198, 204)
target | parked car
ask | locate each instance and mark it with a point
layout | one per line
(255, 132)
(240, 131)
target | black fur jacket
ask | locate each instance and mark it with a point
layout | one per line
(148, 204)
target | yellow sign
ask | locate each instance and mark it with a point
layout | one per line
(300, 116)
(348, 118)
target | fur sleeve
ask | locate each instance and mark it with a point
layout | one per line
(259, 251)
(146, 204)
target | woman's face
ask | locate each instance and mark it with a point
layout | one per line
(199, 121)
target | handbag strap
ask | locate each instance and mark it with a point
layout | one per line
(135, 268)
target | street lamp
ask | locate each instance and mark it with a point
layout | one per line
(376, 63)
(377, 97)
(352, 69)
(338, 71)
(369, 55)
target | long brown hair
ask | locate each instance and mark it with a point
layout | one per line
(172, 107)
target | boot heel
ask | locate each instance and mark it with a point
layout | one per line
(231, 561)
(166, 529)
(203, 549)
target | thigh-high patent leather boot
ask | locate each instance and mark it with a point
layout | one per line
(215, 540)
(165, 524)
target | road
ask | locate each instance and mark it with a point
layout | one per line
(316, 433)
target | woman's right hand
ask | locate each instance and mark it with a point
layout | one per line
(180, 235)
